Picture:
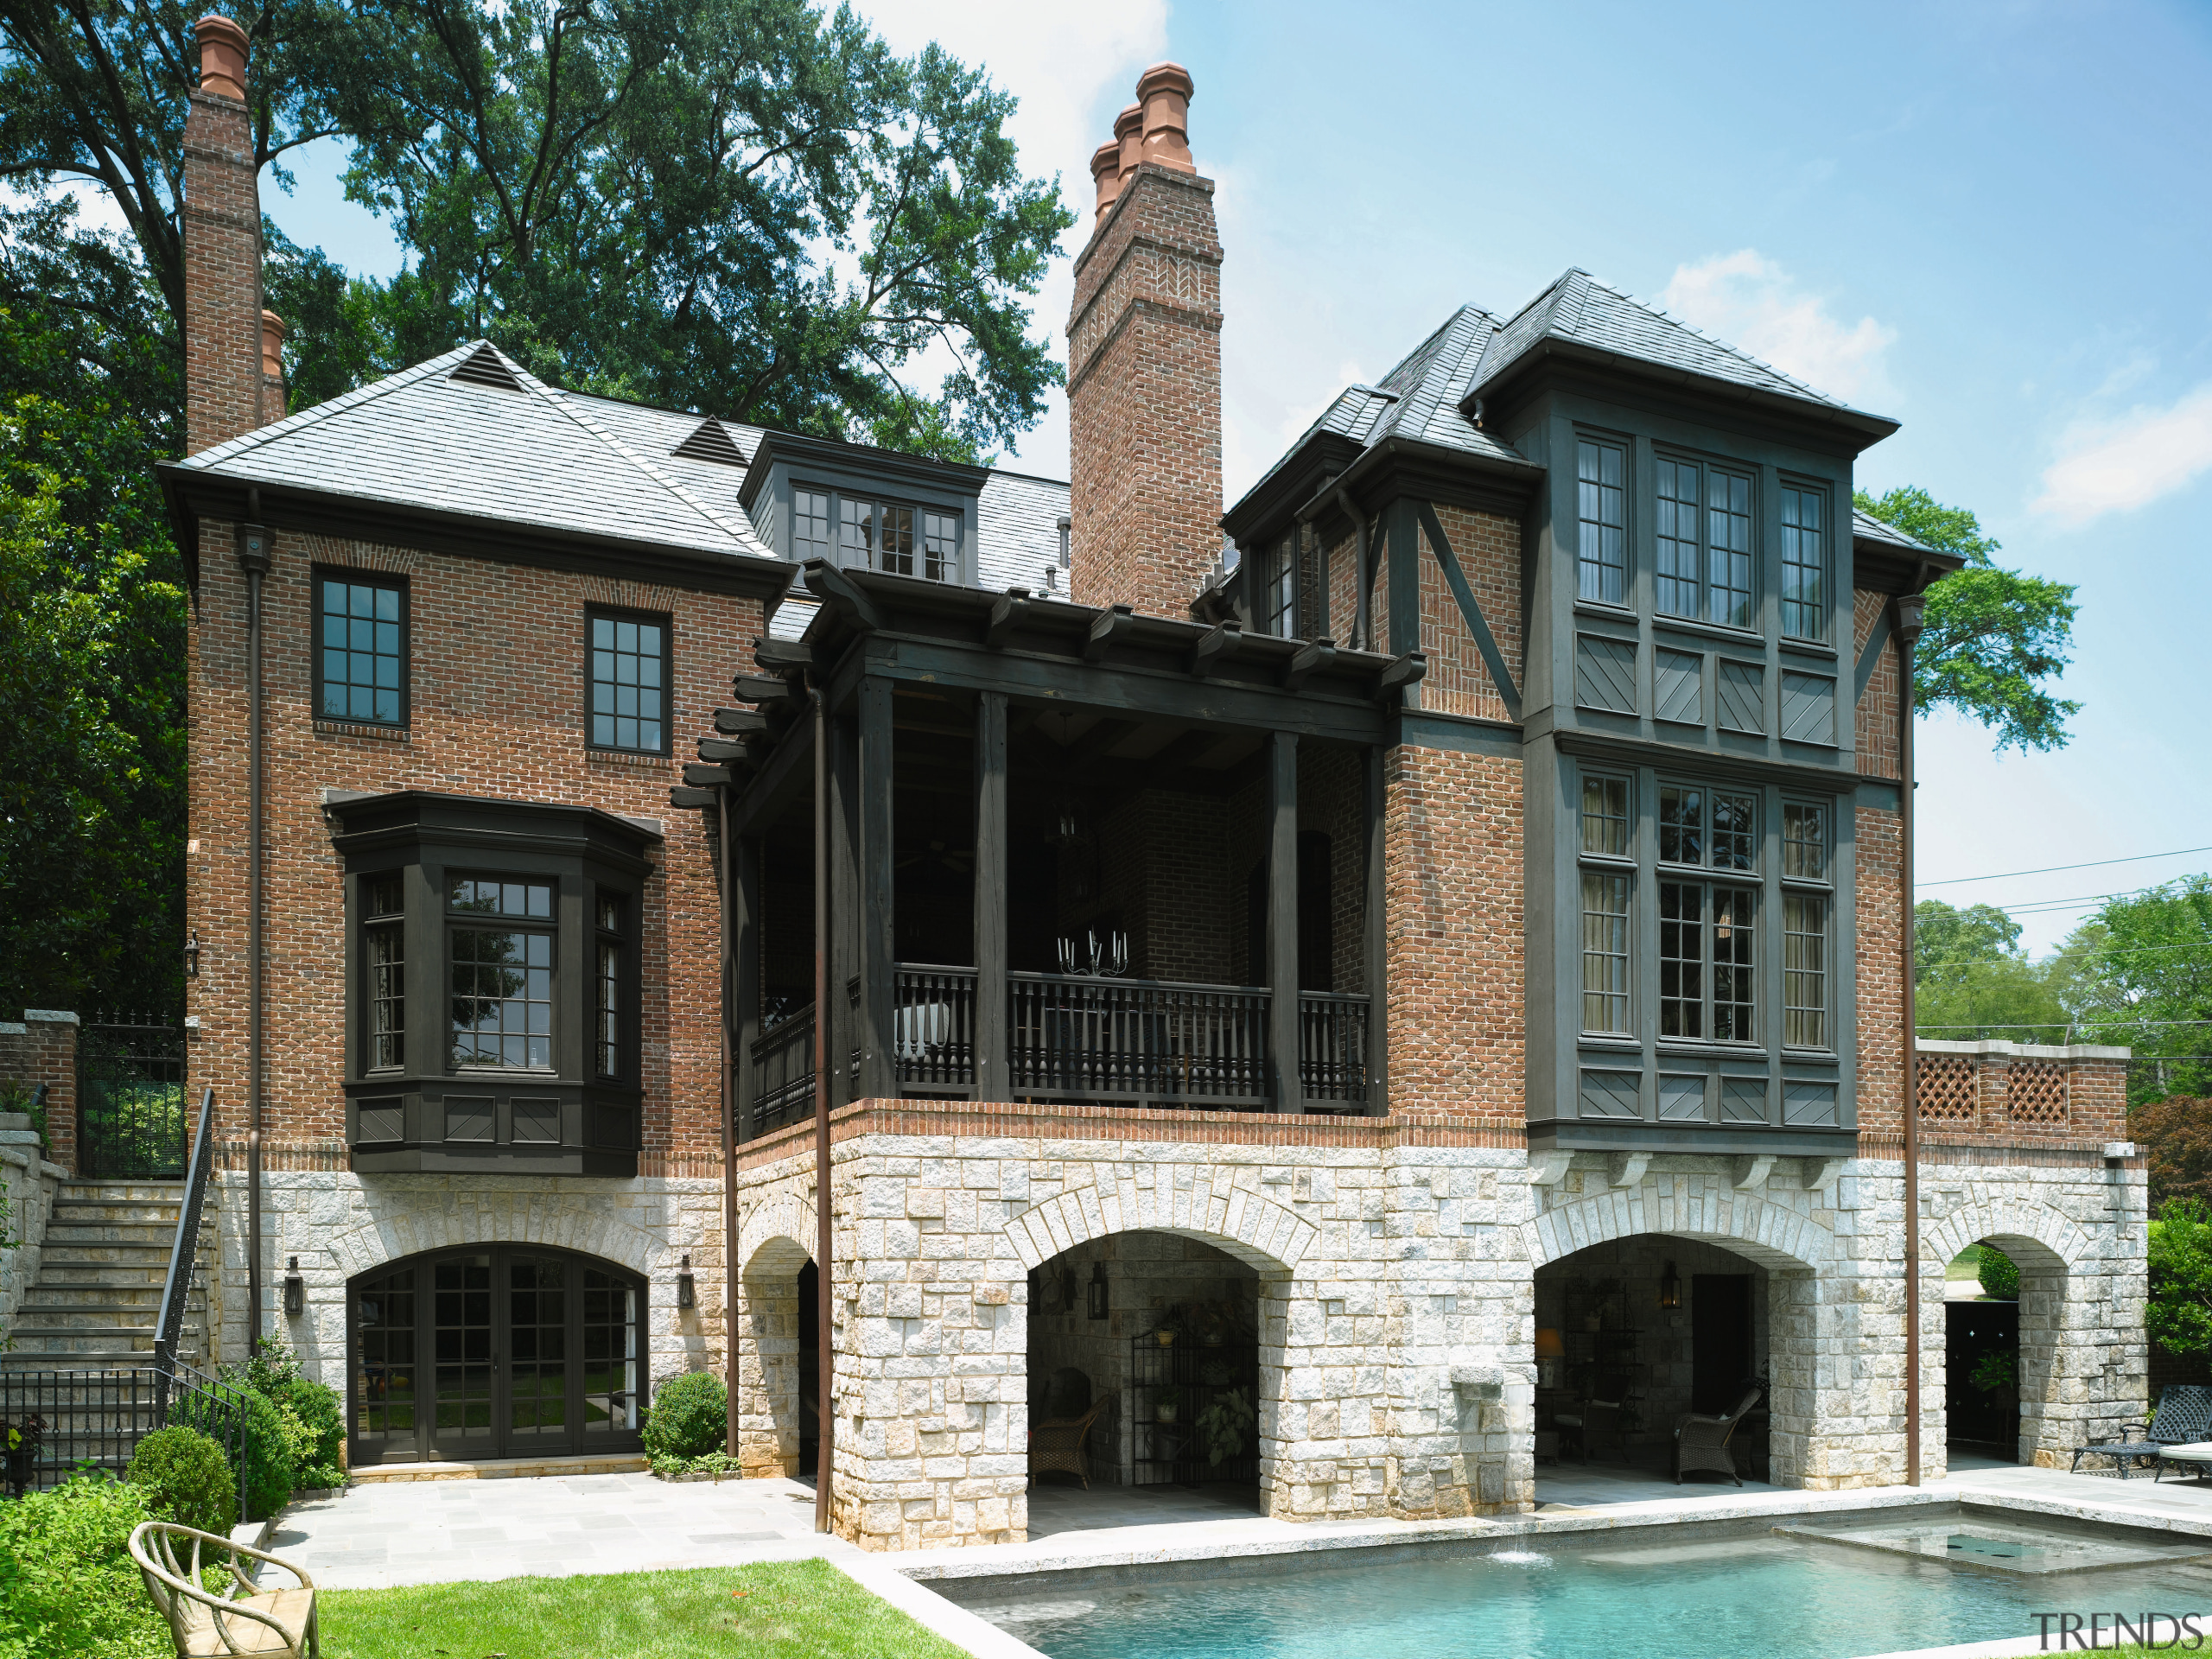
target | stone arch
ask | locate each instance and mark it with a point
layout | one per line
(776, 1240)
(1777, 1238)
(1259, 1232)
(519, 1218)
(777, 1223)
(2060, 1266)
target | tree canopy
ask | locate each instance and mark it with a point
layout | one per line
(1995, 640)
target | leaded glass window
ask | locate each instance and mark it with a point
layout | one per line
(1804, 969)
(1728, 549)
(385, 937)
(1681, 959)
(1681, 825)
(1733, 970)
(1735, 820)
(629, 690)
(361, 650)
(1677, 577)
(941, 546)
(1804, 599)
(1605, 816)
(501, 978)
(1704, 543)
(1601, 472)
(608, 988)
(878, 536)
(810, 524)
(1604, 951)
(1804, 842)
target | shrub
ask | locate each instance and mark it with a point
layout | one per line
(186, 1478)
(2000, 1276)
(689, 1416)
(315, 1407)
(2179, 1312)
(68, 1584)
(273, 1440)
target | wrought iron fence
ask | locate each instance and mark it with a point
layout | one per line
(130, 1116)
(54, 1424)
(184, 1253)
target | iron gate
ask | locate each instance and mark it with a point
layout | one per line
(131, 1118)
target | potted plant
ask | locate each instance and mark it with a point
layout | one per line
(1170, 1327)
(1167, 1404)
(1225, 1426)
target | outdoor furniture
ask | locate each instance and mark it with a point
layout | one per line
(244, 1618)
(2183, 1418)
(1701, 1440)
(1592, 1420)
(1062, 1445)
(2196, 1457)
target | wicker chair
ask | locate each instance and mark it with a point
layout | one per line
(1063, 1446)
(244, 1618)
(1701, 1440)
(2184, 1417)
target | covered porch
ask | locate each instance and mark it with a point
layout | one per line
(1051, 854)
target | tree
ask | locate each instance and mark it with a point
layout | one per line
(2147, 984)
(2176, 1135)
(1993, 638)
(2178, 1314)
(1972, 980)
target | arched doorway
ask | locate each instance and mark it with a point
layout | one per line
(493, 1351)
(778, 1371)
(1981, 1357)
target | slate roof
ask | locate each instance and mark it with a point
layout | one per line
(1866, 527)
(1580, 309)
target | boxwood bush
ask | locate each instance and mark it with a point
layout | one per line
(186, 1478)
(68, 1584)
(2000, 1276)
(689, 1416)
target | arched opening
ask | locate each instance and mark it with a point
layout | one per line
(1144, 1381)
(2003, 1297)
(494, 1350)
(778, 1371)
(1636, 1335)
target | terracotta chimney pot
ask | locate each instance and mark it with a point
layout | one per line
(222, 57)
(1164, 91)
(1106, 174)
(1129, 133)
(272, 343)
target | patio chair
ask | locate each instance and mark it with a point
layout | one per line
(1063, 1446)
(1588, 1421)
(1701, 1440)
(2183, 1417)
(244, 1618)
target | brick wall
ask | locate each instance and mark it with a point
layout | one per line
(224, 392)
(1488, 548)
(1881, 998)
(1144, 398)
(1878, 709)
(42, 1048)
(2021, 1095)
(497, 709)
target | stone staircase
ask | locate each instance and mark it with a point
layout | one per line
(98, 1295)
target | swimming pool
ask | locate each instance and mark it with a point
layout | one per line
(1822, 1588)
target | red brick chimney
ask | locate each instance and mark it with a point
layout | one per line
(1144, 368)
(226, 391)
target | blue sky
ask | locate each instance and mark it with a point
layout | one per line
(1987, 219)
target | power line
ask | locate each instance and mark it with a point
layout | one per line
(2052, 869)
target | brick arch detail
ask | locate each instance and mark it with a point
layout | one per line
(524, 1221)
(1775, 1235)
(784, 1219)
(1257, 1232)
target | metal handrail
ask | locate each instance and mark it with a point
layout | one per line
(176, 1290)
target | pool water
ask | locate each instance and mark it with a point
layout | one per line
(1751, 1595)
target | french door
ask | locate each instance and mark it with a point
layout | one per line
(494, 1352)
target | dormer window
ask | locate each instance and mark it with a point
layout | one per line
(872, 534)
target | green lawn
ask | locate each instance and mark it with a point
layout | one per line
(785, 1610)
(1966, 1264)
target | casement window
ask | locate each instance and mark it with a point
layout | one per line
(607, 987)
(810, 525)
(871, 534)
(384, 938)
(628, 681)
(1601, 473)
(1804, 563)
(500, 959)
(360, 649)
(1708, 962)
(1703, 547)
(1808, 905)
(1279, 603)
(1606, 880)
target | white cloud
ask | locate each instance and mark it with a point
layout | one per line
(1752, 304)
(2111, 466)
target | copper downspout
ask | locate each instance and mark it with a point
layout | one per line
(730, 1140)
(254, 560)
(1909, 609)
(824, 1419)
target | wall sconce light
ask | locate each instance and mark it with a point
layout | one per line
(1550, 1349)
(1098, 1290)
(192, 955)
(687, 1294)
(1670, 1288)
(296, 1290)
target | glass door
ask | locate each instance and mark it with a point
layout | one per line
(536, 1410)
(463, 1342)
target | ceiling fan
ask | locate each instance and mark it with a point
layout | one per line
(953, 859)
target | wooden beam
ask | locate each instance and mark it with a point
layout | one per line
(992, 1080)
(877, 865)
(1403, 670)
(761, 688)
(835, 588)
(740, 722)
(743, 975)
(1006, 616)
(723, 749)
(700, 776)
(1218, 646)
(784, 656)
(1283, 921)
(844, 908)
(690, 800)
(1111, 623)
(1402, 577)
(1317, 655)
(787, 769)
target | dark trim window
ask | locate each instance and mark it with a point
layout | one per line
(360, 649)
(871, 533)
(502, 974)
(629, 681)
(810, 523)
(1707, 929)
(1601, 473)
(1704, 543)
(1606, 883)
(606, 989)
(1808, 904)
(383, 938)
(1279, 602)
(1804, 563)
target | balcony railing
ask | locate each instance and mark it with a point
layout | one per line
(933, 1027)
(1332, 1046)
(1070, 1037)
(783, 1070)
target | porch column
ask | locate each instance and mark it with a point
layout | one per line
(878, 1074)
(1376, 947)
(841, 1017)
(992, 1078)
(1282, 920)
(741, 974)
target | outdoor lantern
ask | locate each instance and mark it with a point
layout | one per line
(1098, 1290)
(192, 955)
(686, 1295)
(1670, 1288)
(296, 1290)
(1550, 1351)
